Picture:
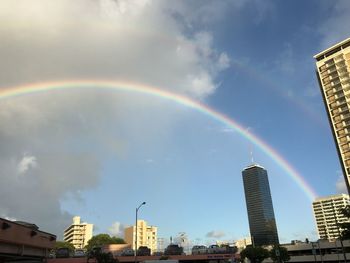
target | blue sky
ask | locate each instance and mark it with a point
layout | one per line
(99, 155)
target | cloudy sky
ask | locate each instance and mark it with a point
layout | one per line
(98, 153)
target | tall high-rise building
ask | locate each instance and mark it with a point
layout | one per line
(333, 71)
(328, 216)
(78, 234)
(146, 235)
(262, 223)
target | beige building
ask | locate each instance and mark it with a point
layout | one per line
(243, 243)
(328, 216)
(333, 71)
(146, 235)
(78, 233)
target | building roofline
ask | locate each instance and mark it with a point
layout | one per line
(322, 53)
(331, 197)
(253, 165)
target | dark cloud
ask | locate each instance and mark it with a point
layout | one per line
(215, 234)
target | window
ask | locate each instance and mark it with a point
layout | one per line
(326, 80)
(347, 155)
(337, 118)
(323, 67)
(329, 93)
(339, 125)
(341, 132)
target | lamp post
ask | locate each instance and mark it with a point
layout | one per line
(136, 230)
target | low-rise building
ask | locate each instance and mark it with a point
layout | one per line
(78, 234)
(146, 235)
(320, 251)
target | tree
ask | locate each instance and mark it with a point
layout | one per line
(64, 244)
(279, 254)
(345, 226)
(103, 239)
(255, 254)
(118, 240)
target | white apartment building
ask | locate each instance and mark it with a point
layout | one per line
(333, 72)
(328, 216)
(78, 233)
(146, 235)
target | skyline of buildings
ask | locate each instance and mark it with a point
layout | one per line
(146, 235)
(333, 72)
(327, 212)
(261, 217)
(78, 234)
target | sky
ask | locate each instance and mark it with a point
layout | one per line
(99, 153)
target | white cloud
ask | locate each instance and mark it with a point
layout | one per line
(69, 132)
(27, 162)
(340, 184)
(223, 61)
(136, 40)
(116, 229)
(215, 234)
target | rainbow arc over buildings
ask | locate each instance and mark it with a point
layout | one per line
(35, 88)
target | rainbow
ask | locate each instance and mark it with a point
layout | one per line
(12, 92)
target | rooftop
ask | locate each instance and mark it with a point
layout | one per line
(337, 196)
(253, 165)
(329, 51)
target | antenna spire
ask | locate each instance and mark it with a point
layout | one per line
(251, 155)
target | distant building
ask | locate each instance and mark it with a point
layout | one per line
(322, 251)
(333, 72)
(78, 233)
(243, 243)
(262, 223)
(328, 216)
(146, 236)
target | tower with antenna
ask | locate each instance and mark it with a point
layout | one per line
(261, 217)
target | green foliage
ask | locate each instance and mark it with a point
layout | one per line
(281, 255)
(117, 240)
(255, 254)
(103, 239)
(345, 227)
(64, 244)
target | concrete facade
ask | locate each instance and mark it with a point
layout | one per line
(333, 72)
(78, 233)
(21, 242)
(320, 251)
(147, 235)
(328, 216)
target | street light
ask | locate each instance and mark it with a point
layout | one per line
(137, 209)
